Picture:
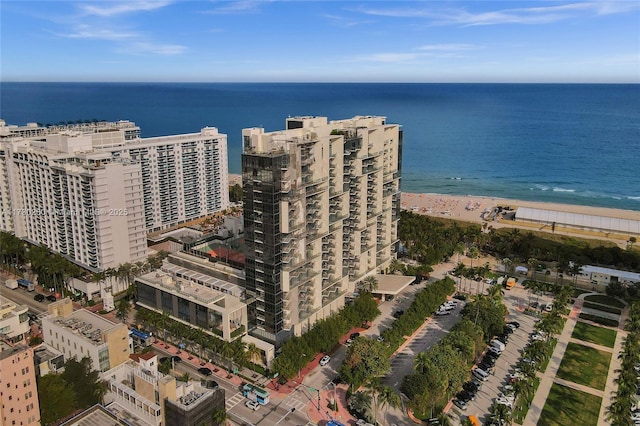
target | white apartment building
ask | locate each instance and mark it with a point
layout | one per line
(321, 208)
(91, 191)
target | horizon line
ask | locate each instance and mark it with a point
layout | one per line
(308, 82)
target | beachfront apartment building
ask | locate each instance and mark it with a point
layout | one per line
(14, 320)
(92, 191)
(81, 333)
(19, 396)
(321, 209)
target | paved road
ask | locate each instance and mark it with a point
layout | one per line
(22, 297)
(278, 411)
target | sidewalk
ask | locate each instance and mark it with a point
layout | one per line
(197, 363)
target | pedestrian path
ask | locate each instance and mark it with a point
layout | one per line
(615, 365)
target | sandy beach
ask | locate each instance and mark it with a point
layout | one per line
(470, 208)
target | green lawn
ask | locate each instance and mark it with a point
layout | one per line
(591, 333)
(600, 320)
(569, 407)
(584, 365)
(605, 300)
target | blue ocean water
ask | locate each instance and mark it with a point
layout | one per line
(567, 143)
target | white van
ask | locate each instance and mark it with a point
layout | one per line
(498, 345)
(480, 374)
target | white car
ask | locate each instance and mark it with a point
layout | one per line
(503, 401)
(252, 404)
(325, 360)
(443, 312)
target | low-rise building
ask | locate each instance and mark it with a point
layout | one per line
(19, 396)
(138, 392)
(195, 299)
(82, 334)
(14, 320)
(605, 276)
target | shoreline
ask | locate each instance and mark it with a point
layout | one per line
(469, 208)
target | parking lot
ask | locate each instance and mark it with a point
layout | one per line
(514, 300)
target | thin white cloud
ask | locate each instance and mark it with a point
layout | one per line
(390, 57)
(236, 7)
(530, 16)
(88, 32)
(107, 9)
(144, 48)
(342, 21)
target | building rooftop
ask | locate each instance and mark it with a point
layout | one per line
(622, 275)
(194, 397)
(85, 323)
(392, 284)
(96, 416)
(7, 349)
(177, 274)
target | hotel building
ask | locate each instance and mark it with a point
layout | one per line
(81, 333)
(321, 208)
(19, 397)
(92, 191)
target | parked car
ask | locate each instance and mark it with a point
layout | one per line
(252, 404)
(325, 360)
(460, 404)
(516, 324)
(466, 396)
(51, 298)
(398, 314)
(460, 297)
(472, 386)
(488, 360)
(354, 336)
(39, 297)
(441, 313)
(205, 371)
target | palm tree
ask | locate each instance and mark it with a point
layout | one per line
(388, 398)
(507, 263)
(253, 352)
(219, 416)
(532, 263)
(421, 362)
(226, 352)
(495, 292)
(369, 284)
(459, 249)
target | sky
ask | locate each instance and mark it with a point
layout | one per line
(320, 41)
